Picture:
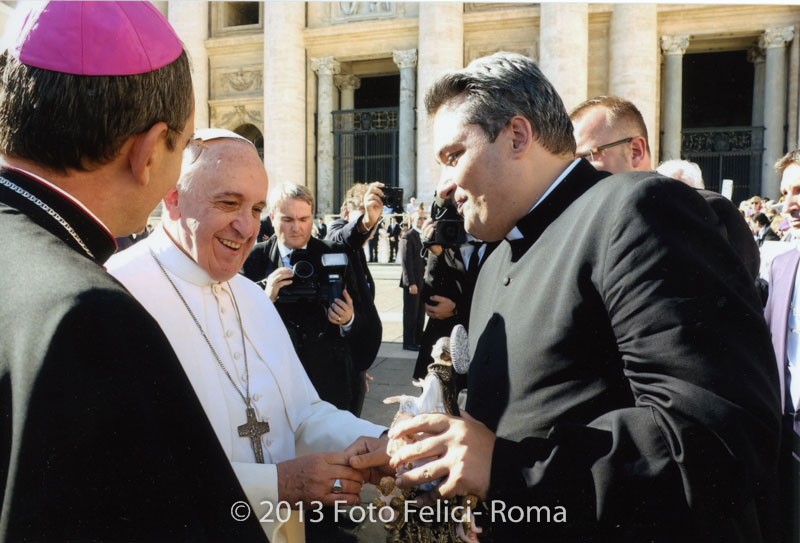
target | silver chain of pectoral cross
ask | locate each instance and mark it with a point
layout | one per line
(50, 211)
(252, 429)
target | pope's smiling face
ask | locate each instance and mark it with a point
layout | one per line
(218, 213)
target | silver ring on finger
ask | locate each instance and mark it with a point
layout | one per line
(337, 486)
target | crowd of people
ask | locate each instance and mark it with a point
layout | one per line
(623, 365)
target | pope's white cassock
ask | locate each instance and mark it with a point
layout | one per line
(299, 422)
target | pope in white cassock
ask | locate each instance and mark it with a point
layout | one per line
(232, 343)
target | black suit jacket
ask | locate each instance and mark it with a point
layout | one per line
(732, 226)
(347, 233)
(628, 372)
(101, 435)
(412, 269)
(766, 234)
(394, 231)
(445, 275)
(331, 361)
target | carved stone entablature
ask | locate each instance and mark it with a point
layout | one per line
(494, 6)
(343, 12)
(674, 45)
(528, 49)
(325, 65)
(243, 80)
(405, 59)
(776, 37)
(233, 116)
(347, 81)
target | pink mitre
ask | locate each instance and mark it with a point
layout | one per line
(96, 38)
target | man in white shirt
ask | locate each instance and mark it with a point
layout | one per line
(232, 343)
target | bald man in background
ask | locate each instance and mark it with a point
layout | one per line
(611, 134)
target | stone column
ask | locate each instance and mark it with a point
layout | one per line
(284, 91)
(326, 68)
(441, 48)
(190, 21)
(755, 55)
(163, 7)
(774, 41)
(564, 49)
(407, 62)
(673, 48)
(634, 62)
(347, 85)
(794, 84)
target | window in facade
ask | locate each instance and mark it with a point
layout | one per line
(241, 13)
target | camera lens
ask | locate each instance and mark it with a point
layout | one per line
(303, 269)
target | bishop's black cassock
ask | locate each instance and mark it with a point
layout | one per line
(101, 435)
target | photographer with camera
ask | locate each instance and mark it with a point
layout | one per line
(360, 214)
(453, 261)
(316, 294)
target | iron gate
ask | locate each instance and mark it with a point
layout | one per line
(727, 153)
(365, 148)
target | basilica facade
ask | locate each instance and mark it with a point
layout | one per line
(333, 91)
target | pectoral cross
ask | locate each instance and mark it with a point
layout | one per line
(254, 430)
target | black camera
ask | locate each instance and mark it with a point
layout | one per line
(314, 280)
(448, 229)
(449, 232)
(393, 198)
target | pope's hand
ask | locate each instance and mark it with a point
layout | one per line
(368, 454)
(461, 447)
(277, 280)
(311, 477)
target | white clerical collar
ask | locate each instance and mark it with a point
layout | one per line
(175, 260)
(64, 194)
(285, 251)
(515, 232)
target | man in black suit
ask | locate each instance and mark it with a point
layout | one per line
(611, 134)
(325, 333)
(322, 228)
(451, 272)
(625, 376)
(127, 241)
(266, 230)
(764, 232)
(361, 212)
(103, 437)
(372, 242)
(394, 237)
(411, 281)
